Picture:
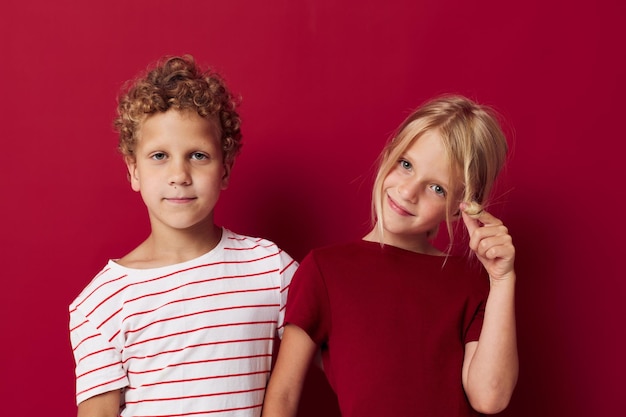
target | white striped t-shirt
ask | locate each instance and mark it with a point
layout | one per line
(193, 338)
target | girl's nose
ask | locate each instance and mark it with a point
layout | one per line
(408, 191)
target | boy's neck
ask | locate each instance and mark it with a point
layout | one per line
(171, 247)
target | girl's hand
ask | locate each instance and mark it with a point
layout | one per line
(490, 240)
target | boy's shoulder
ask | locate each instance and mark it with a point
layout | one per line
(110, 275)
(233, 248)
(235, 241)
(238, 246)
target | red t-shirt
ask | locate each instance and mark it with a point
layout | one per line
(392, 325)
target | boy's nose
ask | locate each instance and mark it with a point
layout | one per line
(179, 174)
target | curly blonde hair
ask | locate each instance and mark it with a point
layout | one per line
(473, 139)
(178, 82)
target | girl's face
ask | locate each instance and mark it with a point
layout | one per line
(415, 194)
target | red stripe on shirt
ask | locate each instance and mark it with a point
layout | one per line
(234, 358)
(176, 381)
(109, 318)
(253, 247)
(223, 342)
(94, 353)
(287, 267)
(199, 329)
(101, 385)
(188, 397)
(76, 327)
(83, 341)
(196, 413)
(198, 313)
(100, 286)
(97, 369)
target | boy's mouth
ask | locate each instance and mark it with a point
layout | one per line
(179, 200)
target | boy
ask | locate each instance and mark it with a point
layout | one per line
(183, 324)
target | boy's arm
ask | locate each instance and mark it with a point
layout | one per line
(285, 386)
(490, 366)
(102, 405)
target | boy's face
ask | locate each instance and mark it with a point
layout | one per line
(178, 169)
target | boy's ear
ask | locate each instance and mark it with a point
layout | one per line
(133, 175)
(226, 177)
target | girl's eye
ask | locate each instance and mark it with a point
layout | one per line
(438, 189)
(405, 164)
(158, 156)
(199, 156)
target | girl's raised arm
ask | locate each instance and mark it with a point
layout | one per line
(490, 367)
(285, 386)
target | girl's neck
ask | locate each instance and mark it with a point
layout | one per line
(416, 244)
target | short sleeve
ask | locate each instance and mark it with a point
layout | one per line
(308, 306)
(98, 363)
(472, 333)
(288, 267)
(477, 302)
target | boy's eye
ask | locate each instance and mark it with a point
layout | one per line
(405, 164)
(158, 156)
(198, 156)
(438, 189)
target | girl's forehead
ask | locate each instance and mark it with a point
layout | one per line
(429, 144)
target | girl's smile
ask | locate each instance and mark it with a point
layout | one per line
(398, 208)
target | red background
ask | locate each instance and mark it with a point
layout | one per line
(323, 83)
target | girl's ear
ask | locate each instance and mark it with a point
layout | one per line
(456, 211)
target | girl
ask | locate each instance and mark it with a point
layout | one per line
(405, 329)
